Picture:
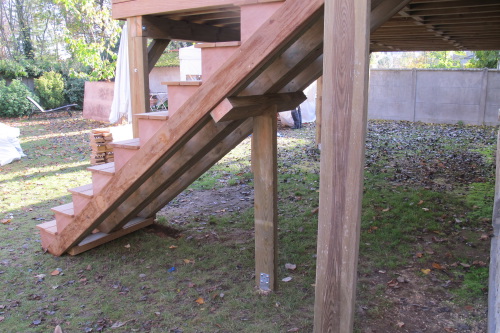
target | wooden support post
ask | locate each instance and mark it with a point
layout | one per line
(155, 50)
(319, 108)
(139, 71)
(266, 199)
(345, 91)
(494, 279)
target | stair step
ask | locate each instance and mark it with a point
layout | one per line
(101, 174)
(149, 123)
(81, 196)
(85, 191)
(66, 209)
(179, 92)
(64, 215)
(48, 232)
(214, 54)
(100, 238)
(124, 150)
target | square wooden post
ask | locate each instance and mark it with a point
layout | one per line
(343, 123)
(319, 108)
(264, 162)
(139, 71)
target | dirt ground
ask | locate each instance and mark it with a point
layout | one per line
(411, 302)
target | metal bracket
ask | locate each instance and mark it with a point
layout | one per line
(264, 282)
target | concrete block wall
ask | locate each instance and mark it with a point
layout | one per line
(435, 96)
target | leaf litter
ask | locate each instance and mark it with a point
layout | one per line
(419, 155)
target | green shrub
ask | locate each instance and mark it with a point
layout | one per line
(50, 89)
(74, 91)
(11, 69)
(13, 102)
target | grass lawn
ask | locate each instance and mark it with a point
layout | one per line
(424, 255)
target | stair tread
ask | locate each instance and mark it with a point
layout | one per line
(160, 115)
(127, 144)
(100, 238)
(217, 44)
(85, 190)
(66, 209)
(106, 168)
(182, 83)
(50, 227)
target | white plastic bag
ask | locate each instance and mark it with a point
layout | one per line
(10, 149)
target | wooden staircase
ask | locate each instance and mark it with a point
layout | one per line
(275, 60)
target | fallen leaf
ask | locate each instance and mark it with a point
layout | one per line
(5, 221)
(55, 272)
(420, 202)
(484, 237)
(400, 324)
(287, 279)
(172, 247)
(437, 266)
(393, 284)
(315, 210)
(295, 329)
(479, 263)
(425, 209)
(120, 324)
(450, 329)
(188, 261)
(372, 229)
(127, 246)
(200, 301)
(386, 209)
(426, 271)
(464, 265)
(88, 268)
(290, 266)
(419, 255)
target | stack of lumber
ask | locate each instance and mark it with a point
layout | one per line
(100, 140)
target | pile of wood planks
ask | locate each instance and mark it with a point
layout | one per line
(100, 140)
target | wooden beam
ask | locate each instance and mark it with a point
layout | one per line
(126, 9)
(241, 107)
(197, 147)
(264, 166)
(286, 25)
(384, 11)
(494, 276)
(155, 50)
(198, 168)
(139, 72)
(319, 110)
(163, 28)
(345, 92)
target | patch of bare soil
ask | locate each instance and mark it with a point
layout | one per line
(418, 304)
(197, 206)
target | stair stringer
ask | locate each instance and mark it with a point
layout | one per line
(267, 43)
(165, 181)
